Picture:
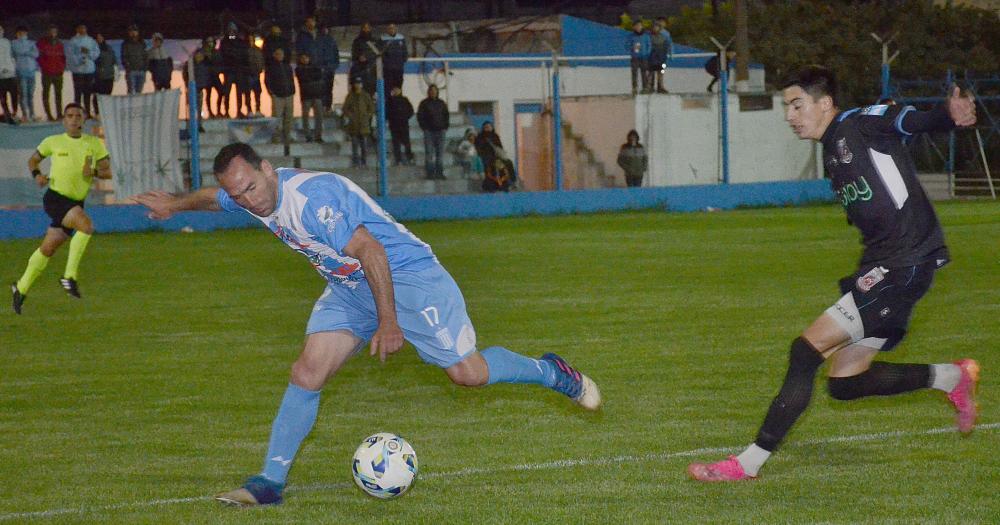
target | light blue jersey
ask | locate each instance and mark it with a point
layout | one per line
(316, 215)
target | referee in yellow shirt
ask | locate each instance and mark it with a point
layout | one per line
(73, 170)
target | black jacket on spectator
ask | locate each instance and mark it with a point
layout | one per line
(202, 72)
(134, 55)
(364, 45)
(432, 114)
(310, 81)
(106, 62)
(234, 53)
(398, 111)
(487, 143)
(278, 79)
(394, 52)
(366, 72)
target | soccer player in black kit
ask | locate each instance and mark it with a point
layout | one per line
(872, 173)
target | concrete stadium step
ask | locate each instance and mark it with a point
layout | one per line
(935, 185)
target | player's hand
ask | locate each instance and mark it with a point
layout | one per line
(88, 168)
(41, 180)
(388, 339)
(962, 109)
(160, 203)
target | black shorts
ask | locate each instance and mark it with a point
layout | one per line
(57, 206)
(883, 301)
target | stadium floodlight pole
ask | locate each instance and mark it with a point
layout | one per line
(557, 124)
(383, 183)
(886, 60)
(194, 123)
(723, 107)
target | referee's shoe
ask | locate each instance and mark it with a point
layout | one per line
(69, 284)
(18, 298)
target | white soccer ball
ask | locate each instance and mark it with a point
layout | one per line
(384, 465)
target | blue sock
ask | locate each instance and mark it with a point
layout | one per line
(508, 367)
(294, 421)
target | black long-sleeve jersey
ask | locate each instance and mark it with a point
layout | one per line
(872, 173)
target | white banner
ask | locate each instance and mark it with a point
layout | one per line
(142, 136)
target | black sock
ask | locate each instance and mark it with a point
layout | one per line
(794, 396)
(882, 379)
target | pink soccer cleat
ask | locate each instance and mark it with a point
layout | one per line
(726, 470)
(964, 395)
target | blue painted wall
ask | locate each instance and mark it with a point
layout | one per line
(131, 218)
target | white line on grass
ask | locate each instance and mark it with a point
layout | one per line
(562, 463)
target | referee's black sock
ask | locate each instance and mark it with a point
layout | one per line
(794, 396)
(882, 379)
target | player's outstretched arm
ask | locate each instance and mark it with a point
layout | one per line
(163, 205)
(957, 111)
(388, 338)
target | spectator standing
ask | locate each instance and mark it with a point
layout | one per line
(25, 53)
(364, 52)
(230, 49)
(311, 95)
(242, 56)
(280, 84)
(638, 47)
(8, 80)
(328, 59)
(52, 61)
(81, 58)
(359, 107)
(632, 158)
(255, 64)
(433, 117)
(394, 56)
(135, 59)
(161, 64)
(104, 77)
(399, 110)
(201, 79)
(213, 65)
(661, 47)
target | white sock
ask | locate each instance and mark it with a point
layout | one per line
(752, 459)
(945, 377)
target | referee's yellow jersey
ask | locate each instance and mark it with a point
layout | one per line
(68, 155)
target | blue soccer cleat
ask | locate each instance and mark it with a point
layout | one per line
(258, 490)
(572, 383)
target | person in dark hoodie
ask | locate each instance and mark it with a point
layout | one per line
(107, 63)
(202, 82)
(311, 95)
(280, 84)
(632, 158)
(364, 52)
(135, 60)
(433, 116)
(497, 167)
(161, 64)
(399, 110)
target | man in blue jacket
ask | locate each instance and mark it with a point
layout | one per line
(394, 55)
(639, 47)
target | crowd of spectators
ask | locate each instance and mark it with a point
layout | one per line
(233, 70)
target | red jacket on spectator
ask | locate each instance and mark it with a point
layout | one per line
(51, 56)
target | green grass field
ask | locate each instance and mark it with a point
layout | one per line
(158, 389)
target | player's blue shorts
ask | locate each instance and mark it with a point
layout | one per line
(430, 310)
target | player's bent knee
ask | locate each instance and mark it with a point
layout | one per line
(307, 375)
(844, 388)
(472, 371)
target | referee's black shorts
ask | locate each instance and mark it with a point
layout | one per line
(57, 206)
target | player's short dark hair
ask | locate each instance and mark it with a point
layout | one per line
(72, 105)
(230, 152)
(815, 80)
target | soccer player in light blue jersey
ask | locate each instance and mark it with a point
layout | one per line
(383, 285)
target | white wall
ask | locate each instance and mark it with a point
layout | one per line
(683, 142)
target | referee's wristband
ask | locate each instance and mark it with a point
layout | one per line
(35, 172)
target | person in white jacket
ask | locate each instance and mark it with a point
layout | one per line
(81, 59)
(26, 68)
(8, 81)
